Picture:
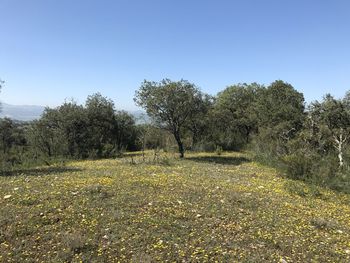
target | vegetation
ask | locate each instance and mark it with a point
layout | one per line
(70, 131)
(306, 142)
(172, 105)
(203, 208)
(60, 204)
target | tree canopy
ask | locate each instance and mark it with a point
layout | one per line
(171, 104)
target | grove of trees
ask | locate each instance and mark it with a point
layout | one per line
(308, 142)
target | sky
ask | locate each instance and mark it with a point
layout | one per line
(52, 50)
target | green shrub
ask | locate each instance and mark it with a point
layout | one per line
(298, 165)
(303, 189)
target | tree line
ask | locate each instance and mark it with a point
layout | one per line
(309, 142)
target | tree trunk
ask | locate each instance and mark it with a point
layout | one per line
(194, 139)
(339, 146)
(247, 133)
(179, 143)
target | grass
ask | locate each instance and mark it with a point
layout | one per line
(205, 208)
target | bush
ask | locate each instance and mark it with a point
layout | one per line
(340, 183)
(204, 147)
(298, 165)
(303, 189)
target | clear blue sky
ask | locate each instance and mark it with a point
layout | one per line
(56, 49)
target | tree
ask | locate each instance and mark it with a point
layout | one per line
(101, 125)
(331, 119)
(280, 113)
(12, 142)
(171, 104)
(199, 125)
(126, 133)
(46, 134)
(72, 121)
(281, 108)
(6, 134)
(235, 112)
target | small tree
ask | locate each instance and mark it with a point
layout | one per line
(125, 132)
(331, 117)
(6, 134)
(171, 104)
(46, 134)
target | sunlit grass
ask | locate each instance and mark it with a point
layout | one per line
(204, 208)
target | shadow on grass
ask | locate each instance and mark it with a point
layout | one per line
(39, 171)
(227, 160)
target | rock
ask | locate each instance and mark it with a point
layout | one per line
(7, 196)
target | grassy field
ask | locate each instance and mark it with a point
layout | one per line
(205, 208)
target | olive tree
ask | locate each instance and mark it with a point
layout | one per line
(171, 104)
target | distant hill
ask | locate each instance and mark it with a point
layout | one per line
(21, 112)
(33, 112)
(140, 116)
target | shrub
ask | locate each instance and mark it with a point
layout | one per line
(298, 165)
(205, 147)
(302, 189)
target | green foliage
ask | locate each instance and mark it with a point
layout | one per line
(235, 115)
(280, 107)
(101, 123)
(319, 152)
(68, 131)
(298, 165)
(205, 146)
(171, 104)
(73, 124)
(309, 145)
(199, 125)
(12, 143)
